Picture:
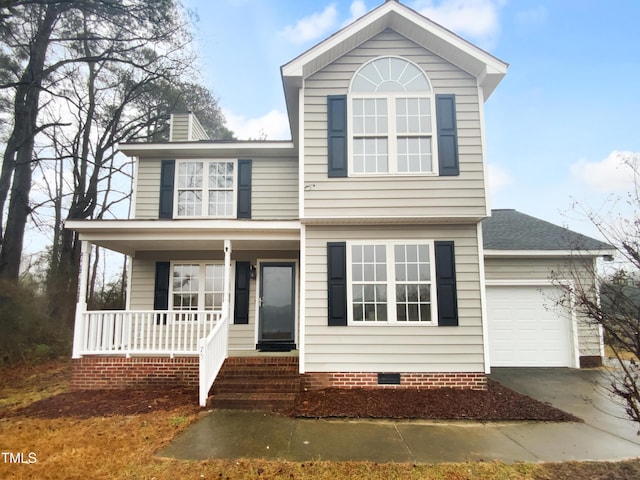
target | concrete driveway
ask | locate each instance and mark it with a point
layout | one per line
(605, 435)
(584, 393)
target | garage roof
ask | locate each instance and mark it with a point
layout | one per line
(508, 229)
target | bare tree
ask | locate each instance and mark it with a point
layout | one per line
(41, 40)
(612, 301)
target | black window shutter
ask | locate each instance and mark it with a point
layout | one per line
(446, 284)
(244, 189)
(337, 283)
(241, 301)
(447, 135)
(161, 290)
(337, 135)
(167, 173)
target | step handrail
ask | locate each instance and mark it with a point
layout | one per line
(213, 351)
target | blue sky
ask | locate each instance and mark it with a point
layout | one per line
(557, 126)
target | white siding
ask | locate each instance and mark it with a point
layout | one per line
(274, 189)
(147, 189)
(540, 270)
(420, 196)
(274, 192)
(179, 127)
(394, 348)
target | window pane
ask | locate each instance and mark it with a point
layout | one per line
(413, 288)
(370, 155)
(425, 312)
(370, 312)
(369, 293)
(414, 155)
(189, 175)
(425, 293)
(368, 282)
(357, 294)
(189, 202)
(413, 115)
(369, 275)
(356, 272)
(412, 312)
(424, 273)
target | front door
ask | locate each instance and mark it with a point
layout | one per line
(276, 303)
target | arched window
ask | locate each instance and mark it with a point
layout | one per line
(391, 115)
(390, 74)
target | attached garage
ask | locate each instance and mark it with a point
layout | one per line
(526, 329)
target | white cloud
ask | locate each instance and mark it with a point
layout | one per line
(498, 178)
(273, 125)
(616, 173)
(312, 27)
(477, 19)
(358, 8)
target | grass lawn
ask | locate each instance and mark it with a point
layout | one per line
(125, 446)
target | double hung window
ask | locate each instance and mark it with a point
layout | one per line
(391, 282)
(206, 188)
(392, 112)
(197, 286)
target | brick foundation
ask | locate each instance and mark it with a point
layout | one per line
(93, 373)
(319, 380)
(591, 361)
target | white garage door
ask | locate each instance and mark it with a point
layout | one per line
(526, 329)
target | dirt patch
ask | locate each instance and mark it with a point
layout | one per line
(591, 470)
(496, 403)
(105, 403)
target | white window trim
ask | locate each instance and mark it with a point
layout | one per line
(392, 134)
(201, 283)
(205, 188)
(391, 283)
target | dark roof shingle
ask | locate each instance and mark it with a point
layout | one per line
(509, 229)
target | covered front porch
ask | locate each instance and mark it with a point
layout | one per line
(195, 289)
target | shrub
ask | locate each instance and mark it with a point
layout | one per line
(28, 333)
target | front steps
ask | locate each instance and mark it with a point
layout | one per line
(256, 383)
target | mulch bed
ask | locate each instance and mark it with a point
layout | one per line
(105, 403)
(496, 403)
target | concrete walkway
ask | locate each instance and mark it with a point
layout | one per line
(605, 435)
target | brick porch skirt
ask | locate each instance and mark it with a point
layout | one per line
(471, 381)
(96, 372)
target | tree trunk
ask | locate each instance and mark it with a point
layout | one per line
(20, 155)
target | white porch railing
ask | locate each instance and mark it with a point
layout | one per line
(164, 332)
(213, 352)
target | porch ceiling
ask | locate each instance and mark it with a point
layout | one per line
(130, 236)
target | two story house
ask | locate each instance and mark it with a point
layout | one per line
(356, 247)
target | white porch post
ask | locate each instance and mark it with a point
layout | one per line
(226, 308)
(81, 305)
(227, 278)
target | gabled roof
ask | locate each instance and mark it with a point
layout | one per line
(515, 231)
(391, 15)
